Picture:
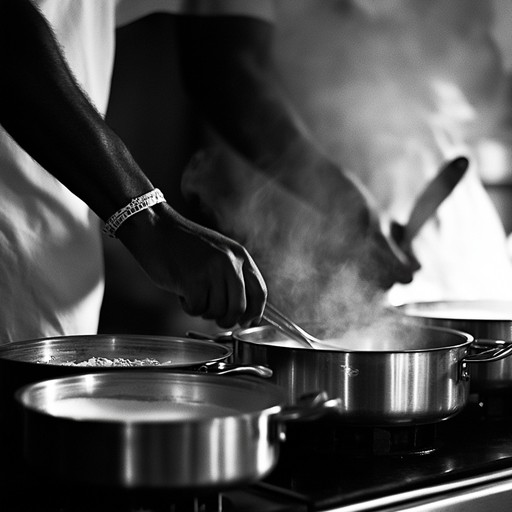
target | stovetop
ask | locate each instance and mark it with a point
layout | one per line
(321, 468)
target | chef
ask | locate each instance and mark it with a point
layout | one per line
(52, 270)
(63, 169)
(391, 90)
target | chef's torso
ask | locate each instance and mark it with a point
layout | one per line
(51, 276)
(51, 263)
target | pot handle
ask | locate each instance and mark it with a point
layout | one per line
(493, 350)
(222, 368)
(220, 337)
(310, 407)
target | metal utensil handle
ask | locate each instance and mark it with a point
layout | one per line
(222, 368)
(310, 407)
(499, 350)
(220, 337)
(284, 324)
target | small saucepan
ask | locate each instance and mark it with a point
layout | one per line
(398, 374)
(159, 430)
(483, 319)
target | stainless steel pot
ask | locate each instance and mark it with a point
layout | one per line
(172, 430)
(24, 362)
(410, 374)
(483, 319)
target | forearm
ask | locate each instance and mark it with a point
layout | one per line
(228, 71)
(47, 114)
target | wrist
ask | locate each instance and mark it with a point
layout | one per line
(134, 208)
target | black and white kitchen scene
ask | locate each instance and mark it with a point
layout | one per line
(256, 255)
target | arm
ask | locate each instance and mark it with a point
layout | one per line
(47, 114)
(228, 71)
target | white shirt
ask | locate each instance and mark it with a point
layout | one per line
(384, 90)
(51, 262)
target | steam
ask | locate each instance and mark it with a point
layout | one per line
(389, 89)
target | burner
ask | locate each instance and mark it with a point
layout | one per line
(128, 501)
(491, 405)
(58, 496)
(361, 441)
(407, 440)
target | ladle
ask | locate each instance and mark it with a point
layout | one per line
(287, 326)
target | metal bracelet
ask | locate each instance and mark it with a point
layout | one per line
(136, 205)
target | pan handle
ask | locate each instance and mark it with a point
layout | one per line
(310, 407)
(220, 337)
(222, 368)
(493, 350)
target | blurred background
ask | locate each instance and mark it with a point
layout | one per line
(367, 75)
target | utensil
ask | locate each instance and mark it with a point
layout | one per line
(287, 326)
(159, 430)
(24, 362)
(405, 373)
(483, 319)
(428, 202)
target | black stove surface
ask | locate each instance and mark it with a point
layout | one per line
(334, 474)
(321, 467)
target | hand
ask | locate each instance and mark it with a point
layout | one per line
(310, 211)
(214, 276)
(350, 230)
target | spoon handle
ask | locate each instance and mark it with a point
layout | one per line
(285, 325)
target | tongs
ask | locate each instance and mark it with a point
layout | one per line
(287, 326)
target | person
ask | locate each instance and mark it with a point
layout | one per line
(63, 169)
(396, 88)
(257, 148)
(87, 157)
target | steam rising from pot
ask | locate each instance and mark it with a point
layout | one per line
(389, 89)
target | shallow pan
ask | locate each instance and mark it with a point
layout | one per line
(172, 430)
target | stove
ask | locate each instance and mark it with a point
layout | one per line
(461, 464)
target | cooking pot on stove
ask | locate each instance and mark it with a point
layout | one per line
(406, 373)
(159, 430)
(483, 319)
(24, 362)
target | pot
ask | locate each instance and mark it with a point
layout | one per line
(410, 374)
(483, 319)
(168, 430)
(24, 362)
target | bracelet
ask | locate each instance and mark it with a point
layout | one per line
(136, 205)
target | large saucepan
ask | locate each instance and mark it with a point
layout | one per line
(169, 430)
(484, 319)
(402, 374)
(29, 361)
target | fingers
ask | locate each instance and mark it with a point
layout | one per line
(256, 293)
(245, 293)
(232, 291)
(392, 265)
(195, 301)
